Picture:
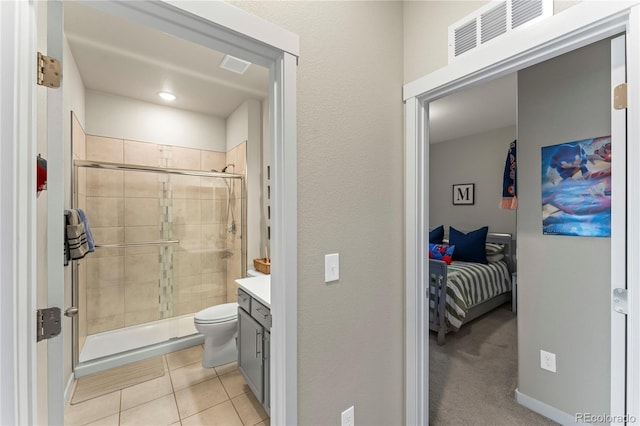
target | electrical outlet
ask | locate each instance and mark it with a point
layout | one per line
(348, 417)
(547, 361)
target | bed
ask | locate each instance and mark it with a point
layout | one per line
(471, 290)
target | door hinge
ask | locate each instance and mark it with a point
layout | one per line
(49, 72)
(620, 301)
(47, 323)
(620, 96)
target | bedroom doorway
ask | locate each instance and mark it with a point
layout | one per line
(572, 88)
(470, 134)
(515, 54)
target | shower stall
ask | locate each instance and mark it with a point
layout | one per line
(168, 243)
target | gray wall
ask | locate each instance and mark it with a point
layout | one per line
(563, 282)
(245, 124)
(477, 159)
(350, 198)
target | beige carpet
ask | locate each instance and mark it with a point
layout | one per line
(105, 382)
(472, 377)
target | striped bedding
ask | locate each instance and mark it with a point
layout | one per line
(469, 284)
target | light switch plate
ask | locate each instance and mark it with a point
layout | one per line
(331, 267)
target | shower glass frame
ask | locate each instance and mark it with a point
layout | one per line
(150, 169)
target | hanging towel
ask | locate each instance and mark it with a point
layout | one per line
(76, 237)
(509, 187)
(87, 230)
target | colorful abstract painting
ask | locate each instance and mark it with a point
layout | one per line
(576, 188)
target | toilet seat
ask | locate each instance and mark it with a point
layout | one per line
(217, 314)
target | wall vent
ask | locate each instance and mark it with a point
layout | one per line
(493, 23)
(466, 37)
(523, 11)
(493, 20)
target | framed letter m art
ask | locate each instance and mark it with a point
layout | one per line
(463, 194)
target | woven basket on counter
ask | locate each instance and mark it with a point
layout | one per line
(262, 265)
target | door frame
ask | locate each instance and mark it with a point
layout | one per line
(618, 227)
(18, 390)
(216, 25)
(224, 27)
(582, 24)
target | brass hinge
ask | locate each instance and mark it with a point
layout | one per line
(620, 96)
(49, 72)
(47, 323)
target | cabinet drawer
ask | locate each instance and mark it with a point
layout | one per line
(261, 313)
(244, 300)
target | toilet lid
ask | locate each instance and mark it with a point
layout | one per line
(218, 313)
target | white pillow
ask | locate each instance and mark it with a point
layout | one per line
(492, 258)
(493, 248)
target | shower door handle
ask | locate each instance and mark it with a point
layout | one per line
(71, 312)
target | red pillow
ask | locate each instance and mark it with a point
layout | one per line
(441, 252)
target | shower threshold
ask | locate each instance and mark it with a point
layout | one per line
(115, 348)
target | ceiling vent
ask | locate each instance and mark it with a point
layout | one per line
(492, 21)
(233, 64)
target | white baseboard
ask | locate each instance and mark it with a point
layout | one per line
(546, 410)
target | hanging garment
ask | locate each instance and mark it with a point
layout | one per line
(87, 230)
(509, 184)
(76, 237)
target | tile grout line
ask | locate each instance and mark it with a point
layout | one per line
(236, 410)
(173, 391)
(175, 401)
(229, 399)
(208, 408)
(120, 409)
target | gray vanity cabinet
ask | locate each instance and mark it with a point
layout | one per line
(254, 339)
(250, 352)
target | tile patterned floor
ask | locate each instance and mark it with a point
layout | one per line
(187, 394)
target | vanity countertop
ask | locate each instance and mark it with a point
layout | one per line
(258, 287)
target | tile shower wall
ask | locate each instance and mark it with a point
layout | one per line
(133, 285)
(238, 157)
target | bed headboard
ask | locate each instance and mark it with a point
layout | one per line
(509, 249)
(500, 238)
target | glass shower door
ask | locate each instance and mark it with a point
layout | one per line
(168, 244)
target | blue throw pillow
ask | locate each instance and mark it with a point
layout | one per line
(436, 235)
(470, 247)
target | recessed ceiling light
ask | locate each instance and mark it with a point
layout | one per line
(233, 64)
(167, 96)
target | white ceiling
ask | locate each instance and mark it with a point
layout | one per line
(123, 58)
(478, 109)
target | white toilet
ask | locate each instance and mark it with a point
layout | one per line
(219, 324)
